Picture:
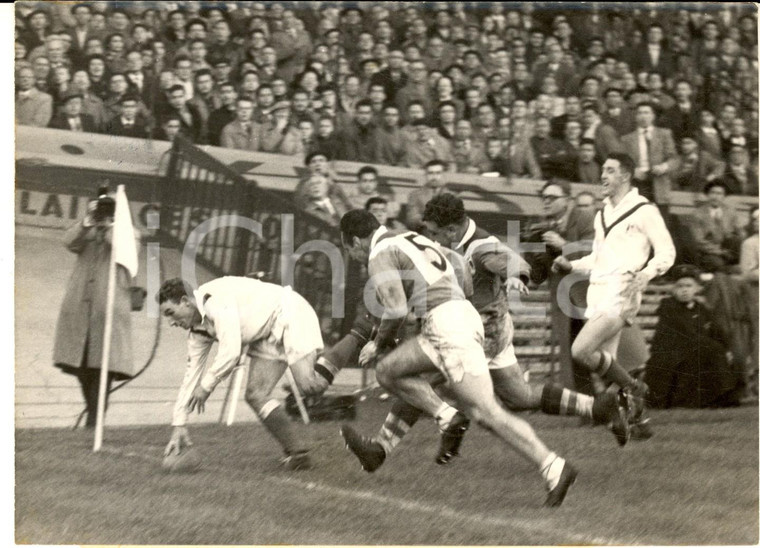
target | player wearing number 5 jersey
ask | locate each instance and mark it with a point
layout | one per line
(409, 272)
(495, 269)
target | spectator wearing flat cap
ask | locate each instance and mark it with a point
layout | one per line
(278, 135)
(71, 117)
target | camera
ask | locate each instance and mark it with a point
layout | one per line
(106, 206)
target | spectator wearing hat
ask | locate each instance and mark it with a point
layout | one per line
(740, 175)
(654, 152)
(695, 167)
(278, 135)
(391, 141)
(127, 123)
(427, 146)
(688, 366)
(359, 138)
(243, 133)
(71, 118)
(716, 230)
(37, 29)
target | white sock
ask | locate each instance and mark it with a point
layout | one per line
(584, 404)
(551, 470)
(444, 415)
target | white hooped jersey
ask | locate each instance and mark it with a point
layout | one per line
(428, 276)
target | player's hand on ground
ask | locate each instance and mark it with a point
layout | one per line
(368, 354)
(561, 264)
(516, 284)
(179, 441)
(198, 399)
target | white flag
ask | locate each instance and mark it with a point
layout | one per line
(124, 247)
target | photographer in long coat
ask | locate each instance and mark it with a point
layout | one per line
(81, 323)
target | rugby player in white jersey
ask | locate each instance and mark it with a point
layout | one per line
(631, 246)
(278, 329)
(409, 272)
(495, 269)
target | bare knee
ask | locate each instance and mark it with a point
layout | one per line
(512, 390)
(256, 398)
(582, 354)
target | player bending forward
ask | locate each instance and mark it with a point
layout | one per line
(410, 272)
(627, 231)
(278, 328)
(495, 268)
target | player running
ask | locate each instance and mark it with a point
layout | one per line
(410, 272)
(495, 269)
(628, 230)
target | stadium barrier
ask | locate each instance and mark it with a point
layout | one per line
(58, 171)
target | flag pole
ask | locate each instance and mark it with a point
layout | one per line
(106, 357)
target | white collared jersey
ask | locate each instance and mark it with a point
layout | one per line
(625, 238)
(430, 274)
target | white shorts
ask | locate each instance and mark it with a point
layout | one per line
(295, 332)
(608, 298)
(452, 337)
(505, 358)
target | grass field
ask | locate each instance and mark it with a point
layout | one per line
(695, 482)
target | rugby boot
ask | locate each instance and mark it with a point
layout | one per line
(370, 453)
(297, 461)
(566, 479)
(612, 408)
(451, 438)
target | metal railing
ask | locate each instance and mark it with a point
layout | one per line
(199, 190)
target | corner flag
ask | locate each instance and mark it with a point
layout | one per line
(123, 242)
(123, 252)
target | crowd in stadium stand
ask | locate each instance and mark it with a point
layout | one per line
(486, 88)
